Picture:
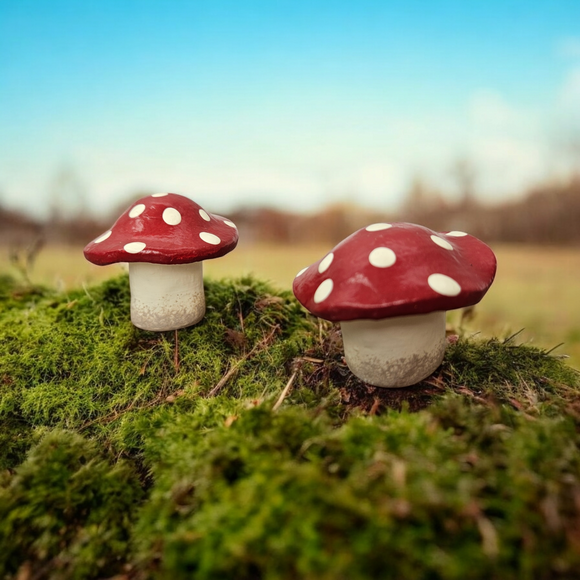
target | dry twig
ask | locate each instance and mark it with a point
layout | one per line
(258, 347)
(285, 391)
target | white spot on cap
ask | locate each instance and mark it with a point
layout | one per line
(159, 194)
(325, 263)
(378, 227)
(204, 215)
(134, 247)
(103, 237)
(323, 291)
(382, 257)
(441, 242)
(209, 238)
(444, 285)
(137, 210)
(171, 216)
(231, 224)
(456, 234)
(302, 271)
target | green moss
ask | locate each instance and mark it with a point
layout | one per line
(66, 512)
(118, 460)
(77, 362)
(397, 496)
(19, 295)
(526, 377)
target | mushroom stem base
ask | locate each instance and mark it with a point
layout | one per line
(394, 352)
(166, 296)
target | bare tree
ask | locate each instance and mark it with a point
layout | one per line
(68, 196)
(464, 172)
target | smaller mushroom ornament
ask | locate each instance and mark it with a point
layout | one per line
(389, 286)
(165, 237)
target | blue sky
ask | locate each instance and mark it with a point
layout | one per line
(296, 104)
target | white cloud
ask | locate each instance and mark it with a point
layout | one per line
(505, 144)
(570, 92)
(488, 109)
(491, 112)
(569, 47)
(565, 124)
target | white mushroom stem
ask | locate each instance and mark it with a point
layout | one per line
(166, 296)
(394, 352)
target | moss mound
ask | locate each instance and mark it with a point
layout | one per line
(246, 449)
(66, 512)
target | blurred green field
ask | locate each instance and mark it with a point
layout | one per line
(537, 290)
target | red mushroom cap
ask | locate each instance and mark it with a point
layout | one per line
(397, 269)
(164, 228)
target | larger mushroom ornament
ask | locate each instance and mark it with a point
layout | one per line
(165, 237)
(389, 286)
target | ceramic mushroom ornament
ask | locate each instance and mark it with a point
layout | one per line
(389, 286)
(165, 237)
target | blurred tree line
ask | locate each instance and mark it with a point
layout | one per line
(70, 219)
(548, 214)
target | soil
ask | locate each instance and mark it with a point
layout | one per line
(325, 364)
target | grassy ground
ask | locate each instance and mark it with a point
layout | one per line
(536, 289)
(259, 456)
